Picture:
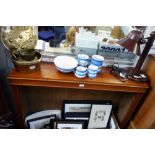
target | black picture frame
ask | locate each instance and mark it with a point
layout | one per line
(40, 122)
(53, 123)
(84, 112)
(77, 116)
(100, 116)
(71, 124)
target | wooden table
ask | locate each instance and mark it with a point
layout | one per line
(129, 92)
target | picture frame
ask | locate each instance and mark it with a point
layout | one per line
(77, 116)
(113, 124)
(76, 106)
(53, 123)
(80, 109)
(69, 124)
(40, 122)
(100, 116)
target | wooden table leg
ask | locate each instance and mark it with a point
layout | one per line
(3, 101)
(131, 110)
(17, 103)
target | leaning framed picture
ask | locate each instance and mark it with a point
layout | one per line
(53, 123)
(99, 116)
(40, 122)
(69, 125)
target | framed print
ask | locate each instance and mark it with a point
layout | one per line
(80, 109)
(69, 125)
(99, 116)
(77, 116)
(77, 107)
(40, 122)
(76, 110)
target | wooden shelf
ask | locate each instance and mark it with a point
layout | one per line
(55, 86)
(49, 76)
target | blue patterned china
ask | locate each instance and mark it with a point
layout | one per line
(80, 71)
(83, 59)
(97, 60)
(92, 71)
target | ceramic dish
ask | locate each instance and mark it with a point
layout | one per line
(97, 60)
(83, 59)
(80, 76)
(81, 69)
(65, 63)
(92, 75)
(64, 70)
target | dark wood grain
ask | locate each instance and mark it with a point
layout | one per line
(3, 103)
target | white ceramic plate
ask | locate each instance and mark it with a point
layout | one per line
(65, 62)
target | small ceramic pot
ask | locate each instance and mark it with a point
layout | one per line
(97, 60)
(92, 69)
(80, 71)
(83, 59)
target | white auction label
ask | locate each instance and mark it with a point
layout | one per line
(32, 67)
(81, 85)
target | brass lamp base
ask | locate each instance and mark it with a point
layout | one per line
(139, 77)
(128, 73)
(28, 66)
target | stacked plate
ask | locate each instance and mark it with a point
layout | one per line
(65, 64)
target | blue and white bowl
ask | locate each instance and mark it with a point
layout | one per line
(92, 75)
(92, 69)
(80, 71)
(83, 59)
(97, 60)
(99, 69)
(80, 75)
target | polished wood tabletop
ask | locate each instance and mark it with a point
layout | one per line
(49, 76)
